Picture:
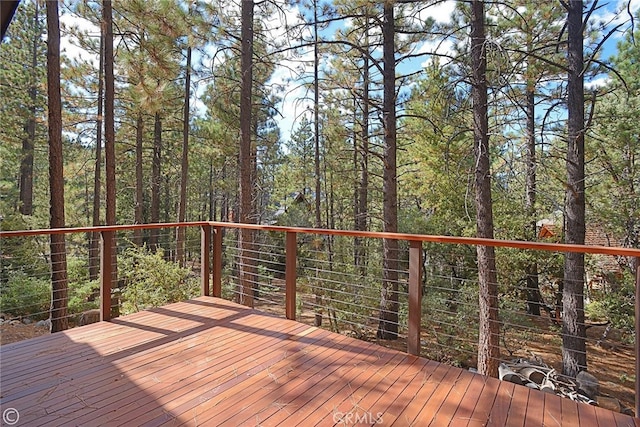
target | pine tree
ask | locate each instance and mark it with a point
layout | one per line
(489, 333)
(59, 321)
(574, 352)
(22, 75)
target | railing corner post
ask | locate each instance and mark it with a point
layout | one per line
(217, 262)
(205, 260)
(291, 248)
(415, 297)
(106, 273)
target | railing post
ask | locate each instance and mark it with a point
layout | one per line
(291, 248)
(217, 262)
(415, 297)
(106, 273)
(205, 259)
(637, 321)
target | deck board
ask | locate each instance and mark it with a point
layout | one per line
(569, 413)
(476, 402)
(212, 362)
(238, 406)
(535, 410)
(553, 411)
(518, 407)
(439, 383)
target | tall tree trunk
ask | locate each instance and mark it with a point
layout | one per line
(109, 119)
(489, 328)
(245, 238)
(356, 172)
(316, 143)
(59, 282)
(28, 143)
(316, 115)
(533, 289)
(182, 210)
(574, 356)
(388, 316)
(139, 209)
(94, 245)
(224, 203)
(362, 213)
(167, 211)
(110, 140)
(155, 180)
(213, 195)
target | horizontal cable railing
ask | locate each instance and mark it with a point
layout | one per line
(339, 279)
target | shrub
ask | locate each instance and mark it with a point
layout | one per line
(616, 305)
(148, 280)
(25, 295)
(81, 295)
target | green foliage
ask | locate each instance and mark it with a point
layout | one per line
(151, 281)
(616, 304)
(82, 296)
(82, 292)
(77, 269)
(295, 211)
(25, 254)
(22, 100)
(438, 158)
(25, 295)
(613, 144)
(451, 319)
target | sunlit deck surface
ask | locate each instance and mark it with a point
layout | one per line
(212, 362)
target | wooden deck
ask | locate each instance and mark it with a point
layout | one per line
(212, 362)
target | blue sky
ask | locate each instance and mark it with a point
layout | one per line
(442, 13)
(296, 101)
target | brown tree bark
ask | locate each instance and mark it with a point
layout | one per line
(59, 282)
(28, 142)
(110, 140)
(533, 289)
(182, 207)
(489, 328)
(388, 317)
(156, 178)
(316, 143)
(139, 209)
(362, 156)
(109, 120)
(94, 244)
(316, 115)
(574, 355)
(245, 238)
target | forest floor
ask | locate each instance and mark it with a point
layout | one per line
(612, 362)
(10, 333)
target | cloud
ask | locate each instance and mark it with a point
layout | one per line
(440, 12)
(597, 82)
(441, 48)
(69, 44)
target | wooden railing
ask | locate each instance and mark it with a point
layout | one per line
(212, 252)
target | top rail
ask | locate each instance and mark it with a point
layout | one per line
(517, 244)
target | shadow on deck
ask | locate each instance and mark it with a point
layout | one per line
(208, 361)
